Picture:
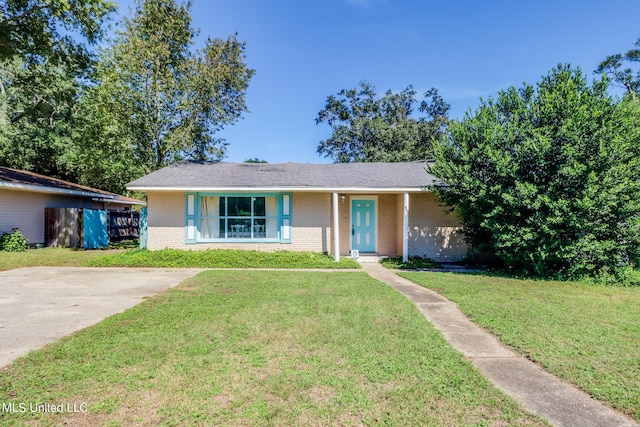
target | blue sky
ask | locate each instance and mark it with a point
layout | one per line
(306, 50)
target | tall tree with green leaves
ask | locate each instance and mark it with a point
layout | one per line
(619, 69)
(40, 115)
(369, 128)
(51, 31)
(159, 100)
(44, 58)
(547, 178)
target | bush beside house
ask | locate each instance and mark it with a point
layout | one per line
(546, 179)
(13, 242)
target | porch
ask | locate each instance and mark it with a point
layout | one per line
(394, 224)
(370, 224)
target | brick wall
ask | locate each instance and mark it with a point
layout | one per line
(310, 224)
(388, 225)
(432, 232)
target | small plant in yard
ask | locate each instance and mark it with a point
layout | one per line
(13, 242)
(414, 262)
(125, 244)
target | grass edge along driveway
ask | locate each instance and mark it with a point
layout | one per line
(586, 334)
(262, 348)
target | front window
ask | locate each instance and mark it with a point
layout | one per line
(238, 217)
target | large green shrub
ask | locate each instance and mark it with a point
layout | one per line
(546, 180)
(13, 242)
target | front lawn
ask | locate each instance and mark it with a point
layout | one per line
(260, 348)
(588, 335)
(56, 257)
(220, 258)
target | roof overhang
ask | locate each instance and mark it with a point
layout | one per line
(52, 190)
(96, 197)
(280, 189)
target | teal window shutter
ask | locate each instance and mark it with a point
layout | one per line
(285, 223)
(190, 218)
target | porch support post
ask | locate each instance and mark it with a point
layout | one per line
(405, 228)
(336, 231)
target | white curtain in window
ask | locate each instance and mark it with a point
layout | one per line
(271, 207)
(210, 228)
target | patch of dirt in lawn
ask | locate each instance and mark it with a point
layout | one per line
(321, 394)
(226, 291)
(138, 408)
(190, 285)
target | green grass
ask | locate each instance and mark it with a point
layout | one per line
(170, 258)
(586, 334)
(49, 257)
(414, 262)
(221, 259)
(261, 348)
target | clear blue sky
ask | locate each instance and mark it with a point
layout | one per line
(305, 50)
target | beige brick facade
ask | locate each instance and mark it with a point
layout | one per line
(310, 224)
(432, 233)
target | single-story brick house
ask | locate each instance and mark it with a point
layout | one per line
(24, 196)
(377, 208)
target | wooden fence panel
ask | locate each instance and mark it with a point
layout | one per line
(63, 227)
(95, 229)
(124, 225)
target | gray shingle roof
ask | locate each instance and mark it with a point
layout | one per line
(22, 179)
(192, 175)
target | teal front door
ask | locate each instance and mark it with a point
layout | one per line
(363, 225)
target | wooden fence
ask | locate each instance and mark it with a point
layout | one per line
(63, 227)
(89, 228)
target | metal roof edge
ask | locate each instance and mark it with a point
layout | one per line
(129, 201)
(53, 190)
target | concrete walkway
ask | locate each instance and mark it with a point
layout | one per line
(538, 391)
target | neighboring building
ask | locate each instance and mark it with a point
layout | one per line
(377, 208)
(25, 195)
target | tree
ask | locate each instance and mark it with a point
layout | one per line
(43, 62)
(366, 128)
(614, 67)
(33, 30)
(159, 100)
(547, 179)
(38, 118)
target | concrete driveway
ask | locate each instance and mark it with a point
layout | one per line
(39, 305)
